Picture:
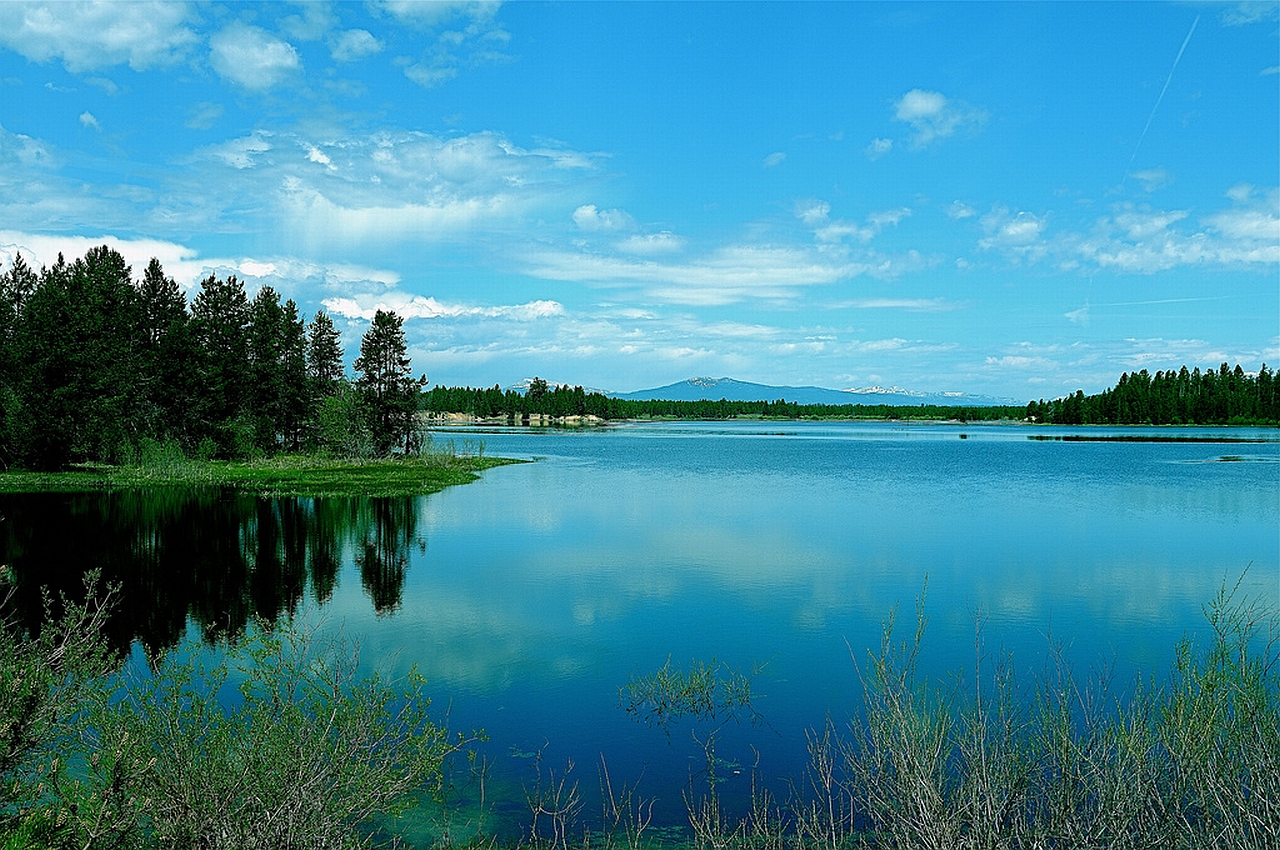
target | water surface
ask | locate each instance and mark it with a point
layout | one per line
(529, 597)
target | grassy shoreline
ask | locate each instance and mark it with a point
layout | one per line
(285, 475)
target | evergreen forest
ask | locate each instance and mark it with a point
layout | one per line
(96, 366)
(1223, 397)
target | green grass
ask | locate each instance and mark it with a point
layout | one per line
(285, 475)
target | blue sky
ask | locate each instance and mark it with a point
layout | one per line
(1018, 199)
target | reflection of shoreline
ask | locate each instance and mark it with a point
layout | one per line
(219, 557)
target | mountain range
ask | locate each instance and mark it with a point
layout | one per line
(714, 389)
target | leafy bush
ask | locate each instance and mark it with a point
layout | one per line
(279, 743)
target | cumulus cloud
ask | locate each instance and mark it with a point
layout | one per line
(878, 148)
(832, 232)
(410, 306)
(253, 58)
(933, 116)
(1019, 236)
(88, 36)
(591, 219)
(88, 120)
(354, 44)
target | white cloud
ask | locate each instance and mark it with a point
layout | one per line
(933, 116)
(878, 148)
(591, 219)
(203, 115)
(1079, 317)
(1019, 236)
(252, 57)
(430, 76)
(917, 305)
(1152, 178)
(728, 275)
(774, 159)
(959, 210)
(813, 212)
(87, 36)
(354, 44)
(664, 242)
(1240, 192)
(243, 152)
(88, 120)
(1141, 224)
(24, 149)
(410, 306)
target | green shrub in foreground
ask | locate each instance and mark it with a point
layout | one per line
(300, 752)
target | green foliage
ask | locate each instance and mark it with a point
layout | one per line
(92, 363)
(707, 691)
(982, 762)
(309, 753)
(1224, 396)
(563, 401)
(388, 390)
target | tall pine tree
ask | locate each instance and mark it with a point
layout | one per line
(388, 389)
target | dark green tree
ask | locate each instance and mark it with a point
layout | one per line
(167, 369)
(219, 322)
(324, 355)
(16, 286)
(386, 385)
(266, 368)
(297, 405)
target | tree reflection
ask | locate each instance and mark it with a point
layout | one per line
(216, 558)
(384, 551)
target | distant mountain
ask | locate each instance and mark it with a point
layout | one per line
(714, 389)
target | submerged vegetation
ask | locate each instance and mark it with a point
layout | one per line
(310, 754)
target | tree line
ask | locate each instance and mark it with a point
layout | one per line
(94, 364)
(540, 399)
(1224, 396)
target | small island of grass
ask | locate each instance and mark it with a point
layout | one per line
(283, 475)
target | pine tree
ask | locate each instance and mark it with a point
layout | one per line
(324, 355)
(167, 371)
(219, 322)
(297, 405)
(389, 391)
(266, 368)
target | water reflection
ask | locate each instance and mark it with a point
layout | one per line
(218, 557)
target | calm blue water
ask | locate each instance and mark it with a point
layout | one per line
(537, 592)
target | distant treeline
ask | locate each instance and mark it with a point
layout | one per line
(1187, 397)
(1223, 397)
(561, 401)
(95, 366)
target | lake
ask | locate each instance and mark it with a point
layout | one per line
(530, 597)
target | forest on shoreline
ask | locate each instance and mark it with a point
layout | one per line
(98, 367)
(1224, 396)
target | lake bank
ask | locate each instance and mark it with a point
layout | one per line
(286, 475)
